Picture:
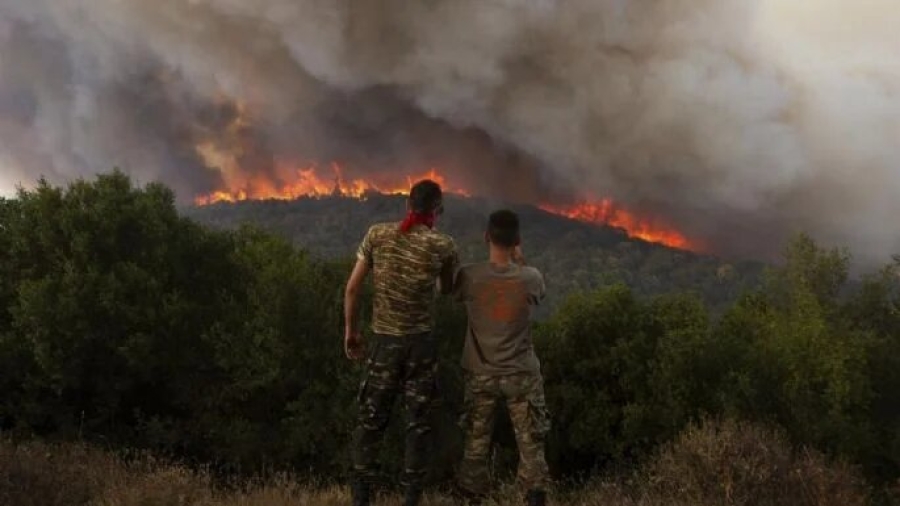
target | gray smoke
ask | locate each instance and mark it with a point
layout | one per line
(736, 121)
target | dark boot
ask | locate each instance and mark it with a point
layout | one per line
(413, 497)
(536, 498)
(361, 493)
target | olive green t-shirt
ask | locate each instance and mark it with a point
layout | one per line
(405, 268)
(499, 301)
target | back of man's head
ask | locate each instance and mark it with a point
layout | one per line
(503, 228)
(426, 197)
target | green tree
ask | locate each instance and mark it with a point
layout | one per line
(798, 362)
(684, 372)
(622, 375)
(875, 308)
(287, 391)
(114, 290)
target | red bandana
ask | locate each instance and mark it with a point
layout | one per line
(414, 218)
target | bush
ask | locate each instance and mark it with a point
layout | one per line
(624, 375)
(737, 463)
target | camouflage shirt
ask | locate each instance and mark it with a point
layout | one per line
(405, 267)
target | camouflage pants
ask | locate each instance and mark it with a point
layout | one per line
(405, 364)
(524, 396)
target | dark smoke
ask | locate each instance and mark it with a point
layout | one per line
(737, 121)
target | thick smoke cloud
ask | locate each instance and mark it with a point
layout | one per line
(737, 121)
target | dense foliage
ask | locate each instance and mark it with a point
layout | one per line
(122, 321)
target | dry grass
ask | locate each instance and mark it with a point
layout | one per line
(719, 464)
(742, 464)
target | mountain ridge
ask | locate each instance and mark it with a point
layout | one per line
(575, 256)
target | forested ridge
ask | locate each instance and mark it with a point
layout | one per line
(125, 323)
(574, 256)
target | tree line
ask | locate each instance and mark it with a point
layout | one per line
(125, 323)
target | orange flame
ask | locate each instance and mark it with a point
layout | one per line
(606, 212)
(307, 182)
(225, 151)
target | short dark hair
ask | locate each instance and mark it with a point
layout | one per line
(503, 228)
(426, 197)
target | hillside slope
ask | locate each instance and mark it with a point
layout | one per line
(573, 255)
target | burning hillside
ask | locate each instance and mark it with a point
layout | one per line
(311, 181)
(607, 212)
(233, 149)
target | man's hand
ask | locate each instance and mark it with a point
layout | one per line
(353, 343)
(354, 347)
(517, 255)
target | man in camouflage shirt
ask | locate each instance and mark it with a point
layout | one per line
(406, 259)
(500, 362)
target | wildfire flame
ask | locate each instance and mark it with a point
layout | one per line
(308, 183)
(225, 150)
(606, 212)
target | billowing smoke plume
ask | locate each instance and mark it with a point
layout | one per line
(737, 121)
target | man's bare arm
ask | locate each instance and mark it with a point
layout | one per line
(352, 339)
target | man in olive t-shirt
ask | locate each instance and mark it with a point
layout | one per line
(499, 361)
(406, 260)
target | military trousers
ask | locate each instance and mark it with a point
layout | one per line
(397, 365)
(524, 397)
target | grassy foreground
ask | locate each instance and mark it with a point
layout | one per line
(726, 463)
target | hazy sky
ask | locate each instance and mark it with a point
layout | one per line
(738, 121)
